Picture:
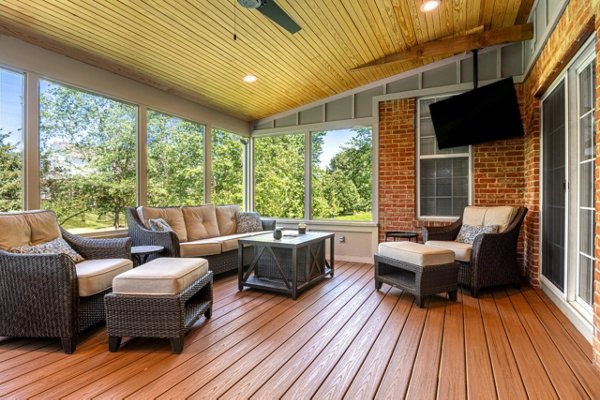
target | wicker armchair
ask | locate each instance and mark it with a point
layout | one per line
(494, 256)
(39, 293)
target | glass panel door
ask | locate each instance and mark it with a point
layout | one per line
(585, 206)
(553, 195)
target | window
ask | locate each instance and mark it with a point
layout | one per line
(342, 174)
(279, 176)
(87, 157)
(175, 161)
(12, 86)
(227, 152)
(444, 175)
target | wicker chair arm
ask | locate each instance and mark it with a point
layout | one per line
(94, 249)
(38, 295)
(268, 224)
(448, 232)
(142, 236)
(492, 254)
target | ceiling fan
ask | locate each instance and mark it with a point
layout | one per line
(272, 11)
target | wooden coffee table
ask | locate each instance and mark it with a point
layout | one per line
(288, 265)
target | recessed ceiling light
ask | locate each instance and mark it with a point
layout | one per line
(250, 78)
(430, 5)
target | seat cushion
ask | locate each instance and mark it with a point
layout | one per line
(416, 253)
(201, 221)
(172, 215)
(200, 248)
(162, 276)
(230, 242)
(497, 215)
(500, 216)
(226, 219)
(27, 228)
(95, 276)
(462, 251)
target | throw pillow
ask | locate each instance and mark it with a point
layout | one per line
(159, 225)
(58, 245)
(248, 222)
(468, 233)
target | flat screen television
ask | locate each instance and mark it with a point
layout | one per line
(484, 114)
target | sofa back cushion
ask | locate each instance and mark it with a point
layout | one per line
(226, 219)
(172, 215)
(27, 228)
(481, 216)
(201, 221)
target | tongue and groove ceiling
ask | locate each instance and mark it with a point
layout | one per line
(186, 47)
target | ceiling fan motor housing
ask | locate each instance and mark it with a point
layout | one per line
(250, 3)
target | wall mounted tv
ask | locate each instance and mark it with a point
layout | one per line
(483, 114)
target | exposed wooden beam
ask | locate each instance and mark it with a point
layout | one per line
(455, 45)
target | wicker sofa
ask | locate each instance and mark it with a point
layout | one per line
(492, 258)
(49, 295)
(206, 231)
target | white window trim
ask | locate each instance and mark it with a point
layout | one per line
(418, 159)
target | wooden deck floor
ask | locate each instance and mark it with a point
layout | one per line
(339, 339)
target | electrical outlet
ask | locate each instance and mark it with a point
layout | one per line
(342, 239)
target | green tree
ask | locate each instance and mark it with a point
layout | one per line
(279, 176)
(11, 167)
(87, 154)
(227, 167)
(355, 162)
(175, 161)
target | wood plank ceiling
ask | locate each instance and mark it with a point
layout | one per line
(186, 47)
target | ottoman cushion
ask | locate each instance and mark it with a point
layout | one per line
(462, 251)
(415, 253)
(162, 276)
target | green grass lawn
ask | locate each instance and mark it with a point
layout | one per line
(364, 216)
(89, 222)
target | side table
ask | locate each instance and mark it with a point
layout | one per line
(408, 235)
(141, 253)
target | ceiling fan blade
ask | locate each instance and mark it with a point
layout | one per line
(271, 10)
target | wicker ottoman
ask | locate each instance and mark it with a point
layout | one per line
(161, 299)
(420, 270)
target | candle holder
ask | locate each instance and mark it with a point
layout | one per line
(301, 229)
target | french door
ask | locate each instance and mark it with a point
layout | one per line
(568, 185)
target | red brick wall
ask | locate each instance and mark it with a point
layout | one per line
(498, 170)
(396, 179)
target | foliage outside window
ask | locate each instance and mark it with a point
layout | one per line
(11, 140)
(279, 176)
(227, 152)
(444, 174)
(342, 174)
(87, 157)
(175, 161)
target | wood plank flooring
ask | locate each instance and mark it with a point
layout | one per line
(340, 339)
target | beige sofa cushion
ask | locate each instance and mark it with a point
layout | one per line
(462, 251)
(498, 215)
(95, 276)
(173, 216)
(226, 218)
(415, 253)
(200, 248)
(201, 222)
(163, 276)
(27, 228)
(230, 242)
